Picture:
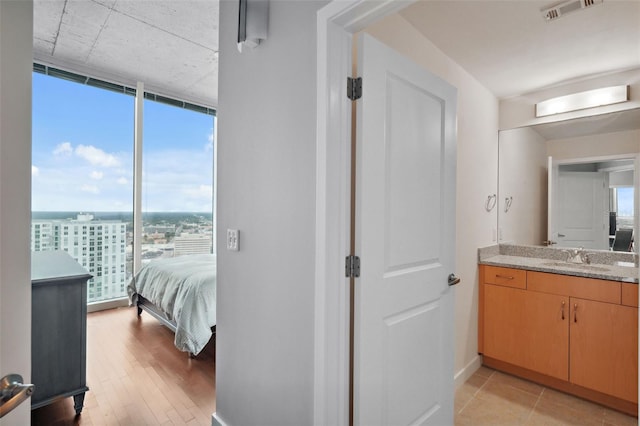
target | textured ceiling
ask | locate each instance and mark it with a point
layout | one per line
(171, 46)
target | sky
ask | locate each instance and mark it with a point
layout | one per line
(625, 201)
(82, 152)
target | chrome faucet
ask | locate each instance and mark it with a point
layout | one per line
(577, 256)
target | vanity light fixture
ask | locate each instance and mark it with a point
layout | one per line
(583, 100)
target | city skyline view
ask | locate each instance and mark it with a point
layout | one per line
(103, 242)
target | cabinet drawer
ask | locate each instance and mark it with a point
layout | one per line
(630, 294)
(507, 277)
(567, 285)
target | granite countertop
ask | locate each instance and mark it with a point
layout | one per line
(604, 265)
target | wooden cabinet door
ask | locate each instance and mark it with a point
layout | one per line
(604, 348)
(527, 329)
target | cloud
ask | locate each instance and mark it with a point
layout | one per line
(213, 136)
(202, 191)
(96, 175)
(90, 188)
(122, 181)
(63, 149)
(96, 156)
(35, 171)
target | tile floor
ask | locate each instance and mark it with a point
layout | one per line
(490, 397)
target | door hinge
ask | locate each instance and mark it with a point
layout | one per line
(354, 88)
(352, 266)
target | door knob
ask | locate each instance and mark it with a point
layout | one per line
(453, 280)
(13, 393)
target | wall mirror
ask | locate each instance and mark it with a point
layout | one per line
(571, 183)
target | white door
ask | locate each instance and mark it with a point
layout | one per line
(405, 236)
(581, 210)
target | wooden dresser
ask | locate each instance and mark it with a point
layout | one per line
(59, 328)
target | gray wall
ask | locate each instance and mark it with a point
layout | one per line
(16, 38)
(266, 189)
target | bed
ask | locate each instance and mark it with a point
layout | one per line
(181, 293)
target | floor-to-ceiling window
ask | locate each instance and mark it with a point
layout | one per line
(83, 171)
(177, 181)
(82, 167)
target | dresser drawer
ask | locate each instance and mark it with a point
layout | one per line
(508, 277)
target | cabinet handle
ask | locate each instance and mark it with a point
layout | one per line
(563, 310)
(506, 277)
(575, 312)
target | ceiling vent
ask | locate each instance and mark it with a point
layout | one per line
(554, 12)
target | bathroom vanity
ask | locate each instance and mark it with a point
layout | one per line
(547, 317)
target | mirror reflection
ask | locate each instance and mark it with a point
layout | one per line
(571, 184)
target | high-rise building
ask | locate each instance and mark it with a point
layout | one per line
(98, 245)
(192, 244)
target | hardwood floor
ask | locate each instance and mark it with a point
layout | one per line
(137, 377)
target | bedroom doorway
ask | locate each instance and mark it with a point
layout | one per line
(83, 203)
(88, 194)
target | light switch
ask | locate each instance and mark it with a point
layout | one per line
(233, 239)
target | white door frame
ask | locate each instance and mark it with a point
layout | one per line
(16, 62)
(336, 23)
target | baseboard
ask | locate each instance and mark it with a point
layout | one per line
(107, 304)
(216, 420)
(467, 371)
(459, 378)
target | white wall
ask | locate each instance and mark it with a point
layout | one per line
(477, 170)
(621, 179)
(266, 189)
(16, 38)
(523, 176)
(618, 143)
